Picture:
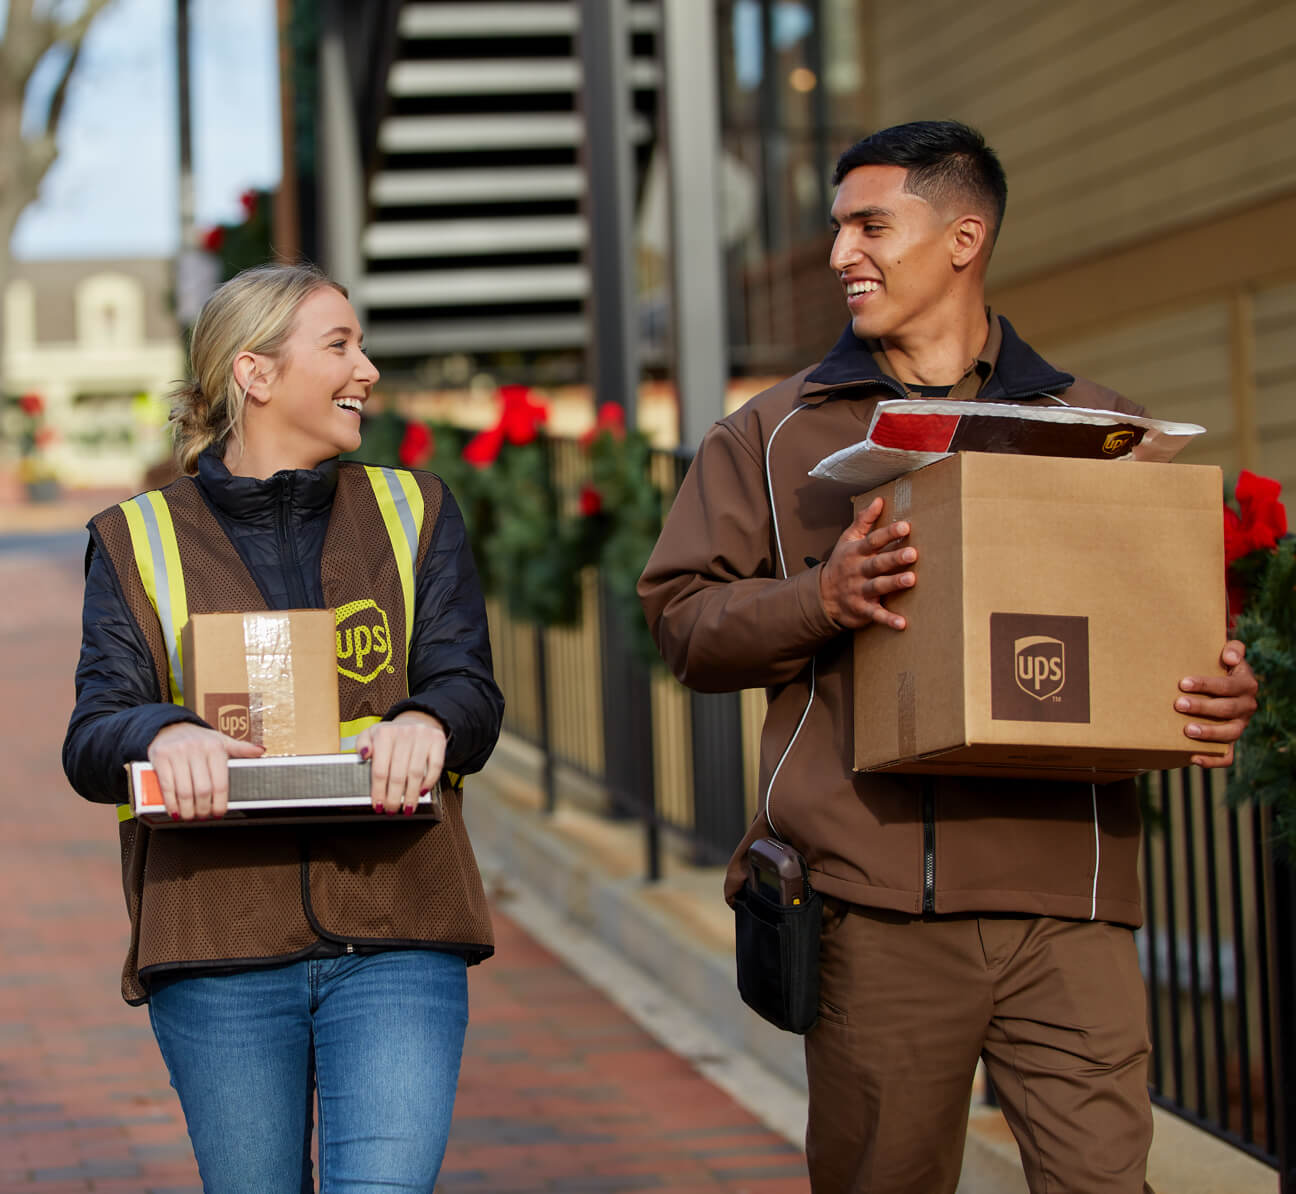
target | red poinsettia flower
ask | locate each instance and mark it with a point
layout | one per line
(32, 404)
(522, 416)
(1262, 520)
(416, 445)
(1258, 523)
(248, 200)
(484, 447)
(214, 238)
(610, 418)
(591, 501)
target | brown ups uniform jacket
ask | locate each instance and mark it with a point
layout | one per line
(732, 595)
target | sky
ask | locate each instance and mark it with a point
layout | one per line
(113, 192)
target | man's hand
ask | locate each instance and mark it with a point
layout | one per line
(407, 755)
(1228, 701)
(865, 566)
(192, 766)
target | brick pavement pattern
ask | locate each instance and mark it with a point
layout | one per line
(560, 1091)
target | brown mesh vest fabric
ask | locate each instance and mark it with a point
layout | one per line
(227, 896)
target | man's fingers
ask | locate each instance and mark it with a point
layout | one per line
(1211, 761)
(889, 562)
(1216, 731)
(882, 538)
(1241, 683)
(1218, 709)
(863, 522)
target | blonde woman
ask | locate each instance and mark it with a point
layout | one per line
(292, 967)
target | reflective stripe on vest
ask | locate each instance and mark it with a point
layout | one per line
(157, 555)
(400, 501)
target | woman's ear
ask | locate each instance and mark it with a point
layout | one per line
(251, 375)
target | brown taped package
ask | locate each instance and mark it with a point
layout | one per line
(1058, 605)
(268, 678)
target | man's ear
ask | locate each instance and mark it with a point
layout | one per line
(969, 238)
(251, 373)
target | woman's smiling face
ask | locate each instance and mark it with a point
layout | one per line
(316, 386)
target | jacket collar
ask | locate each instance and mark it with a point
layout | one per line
(251, 499)
(1019, 372)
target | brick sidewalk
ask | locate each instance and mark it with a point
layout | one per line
(560, 1090)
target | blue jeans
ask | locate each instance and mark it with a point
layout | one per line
(380, 1033)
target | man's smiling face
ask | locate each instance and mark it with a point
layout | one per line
(892, 252)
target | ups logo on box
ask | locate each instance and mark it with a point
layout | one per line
(1039, 667)
(231, 713)
(364, 646)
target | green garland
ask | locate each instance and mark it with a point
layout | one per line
(531, 537)
(1265, 764)
(630, 520)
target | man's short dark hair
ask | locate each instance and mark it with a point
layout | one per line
(944, 159)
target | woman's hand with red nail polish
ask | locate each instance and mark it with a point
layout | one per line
(406, 756)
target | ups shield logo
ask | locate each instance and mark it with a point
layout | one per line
(1039, 667)
(364, 646)
(1118, 443)
(231, 713)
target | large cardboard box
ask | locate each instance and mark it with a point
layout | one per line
(268, 677)
(1058, 604)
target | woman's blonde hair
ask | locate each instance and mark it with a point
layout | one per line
(253, 312)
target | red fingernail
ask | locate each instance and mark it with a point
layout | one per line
(409, 809)
(364, 752)
(175, 816)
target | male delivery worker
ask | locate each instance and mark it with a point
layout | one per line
(963, 917)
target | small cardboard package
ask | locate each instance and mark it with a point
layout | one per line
(1058, 604)
(329, 787)
(268, 677)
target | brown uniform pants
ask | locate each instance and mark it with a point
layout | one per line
(907, 1005)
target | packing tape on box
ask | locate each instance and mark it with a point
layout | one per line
(907, 714)
(267, 638)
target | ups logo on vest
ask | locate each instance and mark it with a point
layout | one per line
(1039, 667)
(364, 646)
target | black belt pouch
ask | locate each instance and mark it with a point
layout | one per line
(777, 949)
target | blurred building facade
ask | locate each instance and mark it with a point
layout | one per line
(1149, 150)
(97, 344)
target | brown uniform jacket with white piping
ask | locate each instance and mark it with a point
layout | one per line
(731, 593)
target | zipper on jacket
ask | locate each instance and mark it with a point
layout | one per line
(929, 846)
(288, 549)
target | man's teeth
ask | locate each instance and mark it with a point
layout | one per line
(349, 404)
(861, 288)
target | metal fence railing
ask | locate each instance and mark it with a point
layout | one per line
(1216, 900)
(1218, 947)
